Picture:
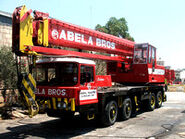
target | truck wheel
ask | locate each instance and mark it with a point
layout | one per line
(159, 99)
(110, 114)
(164, 98)
(126, 109)
(151, 102)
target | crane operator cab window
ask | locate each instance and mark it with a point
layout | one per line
(86, 74)
(140, 54)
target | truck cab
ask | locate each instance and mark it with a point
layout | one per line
(64, 72)
(66, 83)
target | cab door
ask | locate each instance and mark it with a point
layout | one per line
(88, 89)
(151, 62)
(153, 58)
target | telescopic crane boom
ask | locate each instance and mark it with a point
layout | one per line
(39, 33)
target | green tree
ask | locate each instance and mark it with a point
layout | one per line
(8, 74)
(116, 27)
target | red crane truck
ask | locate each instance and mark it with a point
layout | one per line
(66, 80)
(169, 75)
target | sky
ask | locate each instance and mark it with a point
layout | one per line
(158, 22)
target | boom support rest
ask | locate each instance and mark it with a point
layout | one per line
(27, 88)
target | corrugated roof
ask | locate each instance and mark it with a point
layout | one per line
(5, 14)
(68, 59)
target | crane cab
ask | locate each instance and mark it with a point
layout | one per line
(143, 68)
(145, 55)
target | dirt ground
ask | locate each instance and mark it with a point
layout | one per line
(165, 122)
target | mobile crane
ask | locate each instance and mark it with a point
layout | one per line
(66, 79)
(169, 75)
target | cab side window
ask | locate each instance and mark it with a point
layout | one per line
(150, 55)
(86, 74)
(153, 53)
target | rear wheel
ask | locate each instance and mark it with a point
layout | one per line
(159, 99)
(151, 102)
(110, 113)
(126, 109)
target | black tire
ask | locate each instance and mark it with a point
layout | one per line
(159, 99)
(110, 113)
(166, 87)
(126, 109)
(151, 102)
(165, 98)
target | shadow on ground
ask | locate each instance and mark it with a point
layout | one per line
(51, 129)
(56, 128)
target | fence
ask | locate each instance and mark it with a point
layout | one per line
(176, 88)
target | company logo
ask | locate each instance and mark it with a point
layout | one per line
(89, 86)
(81, 38)
(56, 92)
(55, 34)
(100, 79)
(156, 71)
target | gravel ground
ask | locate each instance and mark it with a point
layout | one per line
(165, 122)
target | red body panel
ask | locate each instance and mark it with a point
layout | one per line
(103, 80)
(58, 52)
(79, 93)
(169, 75)
(140, 73)
(173, 74)
(69, 35)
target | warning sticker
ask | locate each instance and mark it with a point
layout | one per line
(88, 94)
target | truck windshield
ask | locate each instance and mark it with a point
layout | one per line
(140, 54)
(56, 74)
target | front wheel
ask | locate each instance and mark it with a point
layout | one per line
(110, 113)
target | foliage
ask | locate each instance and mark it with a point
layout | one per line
(100, 67)
(116, 27)
(8, 74)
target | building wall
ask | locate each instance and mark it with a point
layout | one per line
(182, 76)
(161, 63)
(177, 76)
(5, 29)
